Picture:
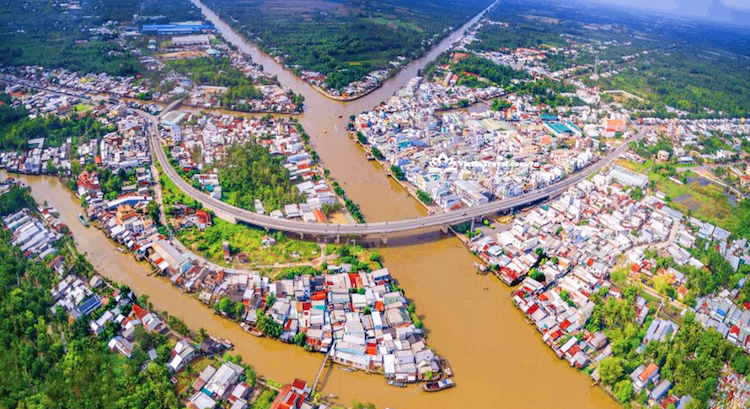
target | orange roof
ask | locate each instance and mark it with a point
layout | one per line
(650, 369)
(372, 349)
(319, 216)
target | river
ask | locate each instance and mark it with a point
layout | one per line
(498, 359)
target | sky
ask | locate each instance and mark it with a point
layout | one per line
(735, 11)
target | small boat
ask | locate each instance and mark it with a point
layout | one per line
(83, 220)
(252, 330)
(331, 396)
(325, 130)
(446, 368)
(346, 369)
(397, 384)
(369, 156)
(341, 116)
(439, 385)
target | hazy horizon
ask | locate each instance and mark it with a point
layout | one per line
(731, 11)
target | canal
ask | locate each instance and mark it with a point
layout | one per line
(498, 359)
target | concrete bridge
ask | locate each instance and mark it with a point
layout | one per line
(382, 229)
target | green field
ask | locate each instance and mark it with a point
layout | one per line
(707, 202)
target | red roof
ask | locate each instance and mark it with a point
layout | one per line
(139, 312)
(573, 350)
(356, 280)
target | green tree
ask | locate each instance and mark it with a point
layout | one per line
(623, 390)
(75, 168)
(610, 370)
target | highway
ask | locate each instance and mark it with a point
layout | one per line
(441, 220)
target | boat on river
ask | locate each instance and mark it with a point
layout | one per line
(446, 367)
(83, 220)
(346, 369)
(252, 330)
(439, 385)
(397, 384)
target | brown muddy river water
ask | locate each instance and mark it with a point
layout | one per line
(498, 359)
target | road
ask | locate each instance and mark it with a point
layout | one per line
(442, 220)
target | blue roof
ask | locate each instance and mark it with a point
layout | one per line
(88, 306)
(174, 28)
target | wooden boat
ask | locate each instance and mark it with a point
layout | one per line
(446, 368)
(397, 384)
(83, 220)
(346, 369)
(439, 385)
(252, 330)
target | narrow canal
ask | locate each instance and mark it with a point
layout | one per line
(499, 360)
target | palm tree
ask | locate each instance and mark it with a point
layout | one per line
(202, 334)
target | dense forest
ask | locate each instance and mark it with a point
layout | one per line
(250, 172)
(496, 73)
(55, 129)
(51, 363)
(346, 38)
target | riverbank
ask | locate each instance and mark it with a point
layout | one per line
(136, 345)
(434, 269)
(341, 98)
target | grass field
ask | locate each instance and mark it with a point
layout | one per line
(244, 239)
(635, 167)
(707, 202)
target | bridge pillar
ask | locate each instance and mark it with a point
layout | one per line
(338, 239)
(384, 239)
(444, 229)
(472, 224)
(302, 236)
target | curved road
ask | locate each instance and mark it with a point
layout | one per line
(442, 220)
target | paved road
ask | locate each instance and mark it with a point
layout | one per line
(442, 220)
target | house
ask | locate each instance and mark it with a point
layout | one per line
(121, 345)
(661, 390)
(182, 354)
(201, 401)
(659, 330)
(643, 375)
(292, 396)
(224, 379)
